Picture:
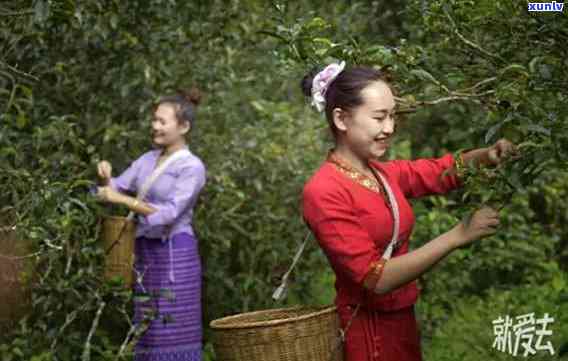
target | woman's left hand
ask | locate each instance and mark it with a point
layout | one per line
(107, 194)
(500, 151)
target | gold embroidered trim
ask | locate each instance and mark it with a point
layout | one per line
(460, 167)
(354, 174)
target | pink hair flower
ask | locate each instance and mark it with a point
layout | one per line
(321, 83)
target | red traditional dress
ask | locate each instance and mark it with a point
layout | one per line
(353, 224)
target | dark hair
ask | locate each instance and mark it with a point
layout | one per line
(185, 103)
(344, 91)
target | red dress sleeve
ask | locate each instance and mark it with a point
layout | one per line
(423, 177)
(347, 245)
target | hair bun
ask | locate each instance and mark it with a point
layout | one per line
(307, 82)
(193, 96)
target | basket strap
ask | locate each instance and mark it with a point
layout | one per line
(341, 338)
(342, 332)
(395, 212)
(393, 205)
(281, 290)
(142, 193)
(144, 190)
(386, 255)
(155, 174)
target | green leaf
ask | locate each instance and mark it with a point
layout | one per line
(423, 75)
(539, 129)
(515, 68)
(559, 283)
(16, 351)
(21, 120)
(142, 298)
(492, 131)
(41, 11)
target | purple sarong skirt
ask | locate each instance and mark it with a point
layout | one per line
(172, 278)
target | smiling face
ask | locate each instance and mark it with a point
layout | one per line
(166, 129)
(368, 128)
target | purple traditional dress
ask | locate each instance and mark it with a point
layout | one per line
(167, 257)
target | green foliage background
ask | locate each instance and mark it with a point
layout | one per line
(77, 81)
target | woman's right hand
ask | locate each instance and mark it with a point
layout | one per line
(104, 171)
(482, 223)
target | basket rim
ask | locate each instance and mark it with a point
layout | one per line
(319, 310)
(115, 217)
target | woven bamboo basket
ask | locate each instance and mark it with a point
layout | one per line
(15, 277)
(285, 334)
(119, 252)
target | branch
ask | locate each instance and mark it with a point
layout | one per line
(479, 84)
(31, 255)
(51, 245)
(456, 96)
(125, 343)
(17, 258)
(474, 95)
(469, 42)
(47, 272)
(17, 13)
(19, 72)
(139, 331)
(135, 332)
(87, 349)
(69, 259)
(131, 331)
(68, 320)
(443, 100)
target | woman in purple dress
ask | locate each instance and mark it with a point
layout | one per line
(167, 257)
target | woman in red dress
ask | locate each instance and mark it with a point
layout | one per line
(346, 206)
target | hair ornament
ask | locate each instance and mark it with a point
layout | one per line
(321, 83)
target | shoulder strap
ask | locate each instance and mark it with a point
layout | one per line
(395, 213)
(281, 290)
(156, 173)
